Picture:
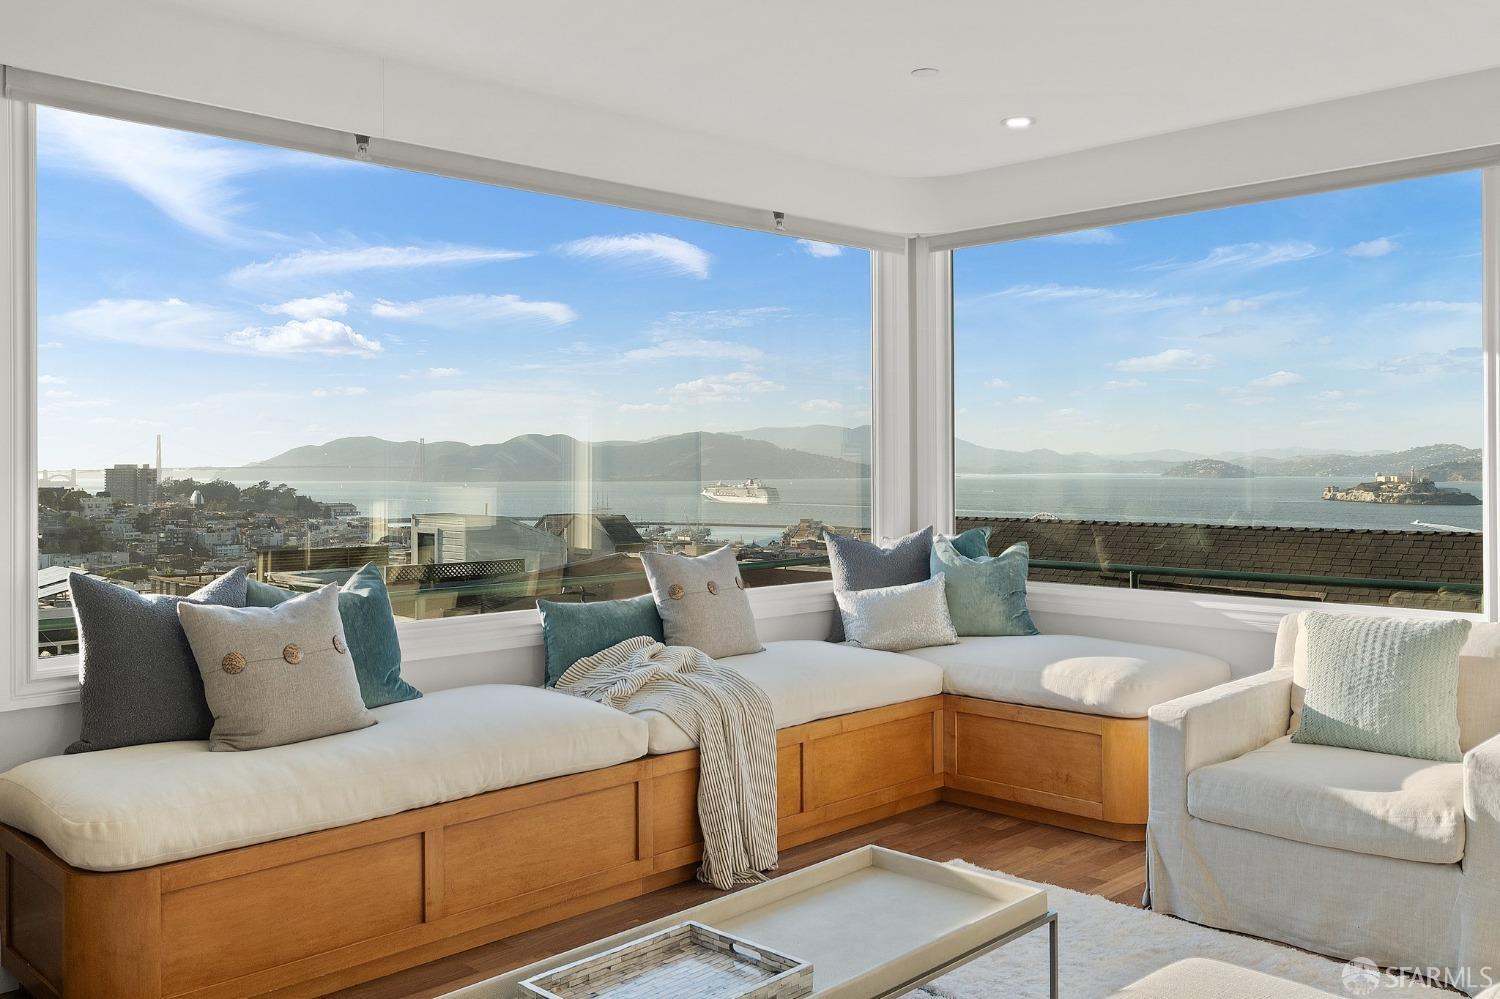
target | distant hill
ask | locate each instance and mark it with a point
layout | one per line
(1207, 468)
(815, 451)
(1366, 464)
(557, 458)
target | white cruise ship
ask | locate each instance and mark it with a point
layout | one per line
(748, 492)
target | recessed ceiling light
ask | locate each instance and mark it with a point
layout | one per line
(1018, 121)
(925, 71)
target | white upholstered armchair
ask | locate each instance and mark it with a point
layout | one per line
(1342, 852)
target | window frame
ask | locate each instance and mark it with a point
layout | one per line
(34, 681)
(1260, 614)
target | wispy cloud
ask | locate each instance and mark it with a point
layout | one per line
(168, 323)
(1246, 303)
(1438, 306)
(651, 249)
(822, 406)
(1172, 359)
(1108, 300)
(1277, 379)
(1243, 257)
(51, 380)
(699, 347)
(340, 391)
(737, 386)
(466, 311)
(189, 178)
(813, 248)
(444, 372)
(645, 407)
(997, 383)
(1027, 400)
(320, 263)
(335, 303)
(1374, 247)
(1086, 237)
(1125, 383)
(305, 336)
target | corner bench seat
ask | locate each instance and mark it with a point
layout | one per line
(809, 680)
(120, 809)
(1092, 676)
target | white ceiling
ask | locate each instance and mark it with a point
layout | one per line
(829, 79)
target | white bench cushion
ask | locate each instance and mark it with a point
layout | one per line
(143, 805)
(808, 680)
(1388, 806)
(1095, 676)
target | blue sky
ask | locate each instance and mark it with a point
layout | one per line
(242, 300)
(1345, 321)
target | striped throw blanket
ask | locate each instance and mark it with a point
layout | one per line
(728, 717)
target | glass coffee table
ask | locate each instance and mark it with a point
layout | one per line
(873, 922)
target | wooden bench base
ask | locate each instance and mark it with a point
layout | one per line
(313, 913)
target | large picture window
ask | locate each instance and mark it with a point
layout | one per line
(1281, 399)
(250, 356)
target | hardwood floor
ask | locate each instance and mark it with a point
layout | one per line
(940, 832)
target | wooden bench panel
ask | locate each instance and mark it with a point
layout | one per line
(867, 759)
(224, 929)
(493, 858)
(1054, 761)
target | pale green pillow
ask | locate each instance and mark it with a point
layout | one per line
(1383, 685)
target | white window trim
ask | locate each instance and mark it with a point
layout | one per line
(911, 386)
(1252, 613)
(36, 682)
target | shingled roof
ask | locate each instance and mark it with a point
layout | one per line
(1430, 556)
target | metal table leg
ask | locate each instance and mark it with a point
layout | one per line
(1052, 949)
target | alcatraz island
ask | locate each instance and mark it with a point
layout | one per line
(1410, 490)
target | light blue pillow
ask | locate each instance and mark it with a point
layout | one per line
(987, 595)
(1382, 685)
(369, 628)
(973, 543)
(571, 632)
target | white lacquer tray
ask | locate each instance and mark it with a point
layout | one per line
(872, 922)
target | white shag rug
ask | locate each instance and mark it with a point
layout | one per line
(1105, 946)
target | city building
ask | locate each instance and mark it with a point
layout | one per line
(133, 484)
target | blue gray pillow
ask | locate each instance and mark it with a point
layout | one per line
(139, 680)
(987, 595)
(571, 632)
(974, 543)
(860, 565)
(369, 627)
(1382, 685)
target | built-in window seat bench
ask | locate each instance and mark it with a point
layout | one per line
(478, 812)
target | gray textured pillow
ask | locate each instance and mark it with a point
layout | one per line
(702, 602)
(139, 680)
(897, 618)
(275, 675)
(860, 565)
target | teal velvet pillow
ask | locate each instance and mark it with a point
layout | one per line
(572, 631)
(1382, 685)
(369, 628)
(973, 543)
(986, 595)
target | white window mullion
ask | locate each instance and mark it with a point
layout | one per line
(1490, 228)
(891, 464)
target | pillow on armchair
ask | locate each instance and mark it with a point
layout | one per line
(1478, 677)
(1382, 685)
